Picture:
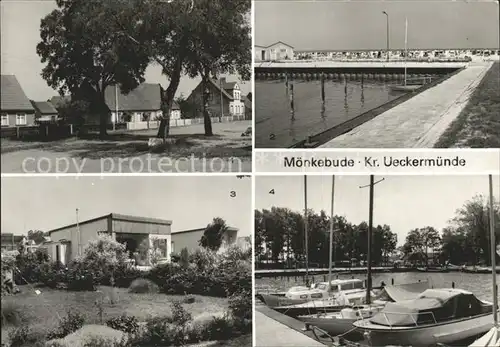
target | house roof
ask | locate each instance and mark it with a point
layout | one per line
(199, 229)
(44, 107)
(274, 44)
(175, 105)
(120, 217)
(146, 97)
(217, 84)
(13, 97)
(57, 100)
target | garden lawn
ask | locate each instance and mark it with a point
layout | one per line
(42, 312)
(478, 125)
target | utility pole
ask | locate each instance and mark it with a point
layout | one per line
(370, 230)
(306, 231)
(493, 254)
(331, 234)
(221, 100)
(79, 235)
(116, 107)
(387, 34)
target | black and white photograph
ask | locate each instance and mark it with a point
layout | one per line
(126, 261)
(131, 86)
(377, 260)
(377, 74)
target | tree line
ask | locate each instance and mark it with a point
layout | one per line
(87, 46)
(280, 237)
(465, 239)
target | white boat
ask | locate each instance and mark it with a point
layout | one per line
(437, 316)
(319, 292)
(490, 339)
(340, 323)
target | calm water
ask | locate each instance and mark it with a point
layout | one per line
(479, 284)
(276, 127)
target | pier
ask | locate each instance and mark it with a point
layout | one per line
(275, 329)
(419, 121)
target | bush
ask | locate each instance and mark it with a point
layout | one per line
(80, 277)
(189, 299)
(12, 314)
(179, 315)
(220, 328)
(25, 337)
(240, 310)
(99, 341)
(69, 324)
(51, 274)
(159, 332)
(127, 324)
(142, 285)
(27, 264)
(124, 275)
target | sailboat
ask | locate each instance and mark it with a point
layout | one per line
(492, 337)
(405, 87)
(437, 316)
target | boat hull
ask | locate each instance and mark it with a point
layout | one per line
(335, 326)
(305, 310)
(275, 301)
(444, 333)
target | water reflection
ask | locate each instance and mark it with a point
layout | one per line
(292, 115)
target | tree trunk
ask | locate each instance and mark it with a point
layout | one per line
(103, 115)
(168, 99)
(206, 116)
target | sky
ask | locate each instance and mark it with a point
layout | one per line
(191, 202)
(402, 202)
(360, 24)
(20, 33)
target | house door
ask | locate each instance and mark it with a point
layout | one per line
(263, 55)
(58, 253)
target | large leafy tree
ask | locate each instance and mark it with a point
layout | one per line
(214, 234)
(419, 241)
(85, 50)
(221, 44)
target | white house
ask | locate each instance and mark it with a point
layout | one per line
(276, 51)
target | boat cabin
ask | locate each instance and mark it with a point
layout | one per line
(323, 290)
(433, 306)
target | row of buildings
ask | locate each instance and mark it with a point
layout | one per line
(143, 104)
(280, 51)
(137, 233)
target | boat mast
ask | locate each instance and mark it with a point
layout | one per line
(406, 44)
(493, 252)
(331, 234)
(305, 230)
(368, 257)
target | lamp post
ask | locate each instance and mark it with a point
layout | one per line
(387, 34)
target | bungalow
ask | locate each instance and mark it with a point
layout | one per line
(137, 233)
(140, 105)
(15, 107)
(228, 93)
(45, 111)
(276, 51)
(190, 239)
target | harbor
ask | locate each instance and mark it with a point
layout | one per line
(432, 303)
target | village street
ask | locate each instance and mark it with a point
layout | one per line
(128, 152)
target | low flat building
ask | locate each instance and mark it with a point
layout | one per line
(190, 239)
(11, 242)
(44, 111)
(274, 52)
(136, 233)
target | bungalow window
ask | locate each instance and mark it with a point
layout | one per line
(5, 120)
(231, 109)
(20, 119)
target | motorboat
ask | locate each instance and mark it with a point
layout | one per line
(437, 316)
(342, 299)
(433, 269)
(490, 339)
(341, 323)
(322, 291)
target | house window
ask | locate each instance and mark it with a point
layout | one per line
(231, 109)
(20, 119)
(160, 245)
(5, 120)
(172, 248)
(58, 253)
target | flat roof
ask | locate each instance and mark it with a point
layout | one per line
(119, 217)
(199, 229)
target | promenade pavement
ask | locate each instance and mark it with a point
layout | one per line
(420, 121)
(270, 333)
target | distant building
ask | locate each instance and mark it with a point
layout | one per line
(11, 242)
(15, 107)
(248, 106)
(276, 51)
(190, 239)
(228, 93)
(69, 241)
(45, 111)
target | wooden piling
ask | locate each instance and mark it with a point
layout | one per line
(292, 104)
(392, 281)
(322, 87)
